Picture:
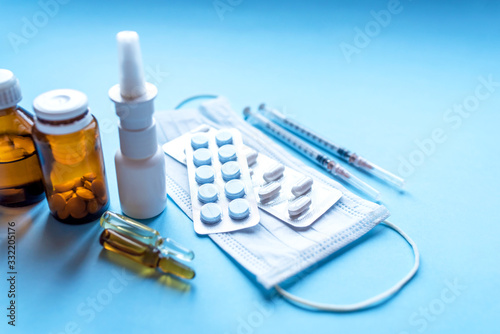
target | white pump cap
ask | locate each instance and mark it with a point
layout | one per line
(134, 96)
(133, 99)
(10, 91)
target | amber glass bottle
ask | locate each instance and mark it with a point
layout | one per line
(20, 174)
(69, 147)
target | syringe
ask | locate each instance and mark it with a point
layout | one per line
(308, 151)
(323, 143)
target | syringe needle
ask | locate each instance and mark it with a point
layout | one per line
(337, 170)
(308, 151)
(325, 144)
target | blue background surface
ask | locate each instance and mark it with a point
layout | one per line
(381, 102)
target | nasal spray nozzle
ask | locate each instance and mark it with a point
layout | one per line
(134, 96)
(132, 82)
(140, 164)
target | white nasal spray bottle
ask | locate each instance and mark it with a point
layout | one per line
(140, 163)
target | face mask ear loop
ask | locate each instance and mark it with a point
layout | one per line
(366, 303)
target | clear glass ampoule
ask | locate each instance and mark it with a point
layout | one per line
(144, 254)
(144, 234)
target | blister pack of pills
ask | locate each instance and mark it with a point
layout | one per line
(286, 193)
(282, 191)
(221, 188)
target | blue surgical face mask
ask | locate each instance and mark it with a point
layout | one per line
(274, 251)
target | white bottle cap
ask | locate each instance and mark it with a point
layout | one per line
(10, 91)
(61, 105)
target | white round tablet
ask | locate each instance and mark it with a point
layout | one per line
(204, 174)
(230, 170)
(210, 213)
(202, 157)
(223, 137)
(207, 193)
(227, 153)
(239, 209)
(199, 141)
(234, 189)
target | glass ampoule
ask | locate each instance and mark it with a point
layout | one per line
(145, 234)
(144, 254)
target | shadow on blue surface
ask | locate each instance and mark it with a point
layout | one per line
(74, 240)
(23, 218)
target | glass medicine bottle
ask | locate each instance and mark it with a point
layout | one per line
(69, 147)
(20, 174)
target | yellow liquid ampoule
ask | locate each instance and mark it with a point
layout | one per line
(144, 254)
(145, 234)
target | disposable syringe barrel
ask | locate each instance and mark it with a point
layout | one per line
(320, 141)
(308, 151)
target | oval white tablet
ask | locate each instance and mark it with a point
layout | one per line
(208, 193)
(252, 157)
(202, 157)
(299, 205)
(199, 141)
(269, 190)
(210, 213)
(274, 173)
(227, 153)
(239, 209)
(230, 170)
(204, 174)
(201, 128)
(302, 187)
(223, 137)
(234, 189)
